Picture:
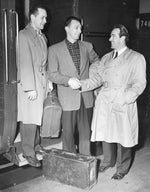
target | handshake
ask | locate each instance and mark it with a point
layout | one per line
(74, 83)
(87, 84)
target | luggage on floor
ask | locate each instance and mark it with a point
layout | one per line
(70, 168)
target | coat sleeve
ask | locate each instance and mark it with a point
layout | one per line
(53, 69)
(95, 79)
(138, 82)
(26, 69)
(91, 83)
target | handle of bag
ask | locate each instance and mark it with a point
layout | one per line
(53, 95)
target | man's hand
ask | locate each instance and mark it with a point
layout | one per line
(32, 95)
(74, 83)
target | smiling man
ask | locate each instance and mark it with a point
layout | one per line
(115, 117)
(33, 81)
(69, 61)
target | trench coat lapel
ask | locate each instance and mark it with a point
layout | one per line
(109, 61)
(36, 41)
(118, 60)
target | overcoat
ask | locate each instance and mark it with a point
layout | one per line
(61, 68)
(32, 75)
(115, 118)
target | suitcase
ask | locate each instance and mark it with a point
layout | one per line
(70, 168)
(52, 112)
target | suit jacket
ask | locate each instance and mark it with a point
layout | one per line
(61, 68)
(32, 75)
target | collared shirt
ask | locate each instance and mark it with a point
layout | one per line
(39, 33)
(74, 51)
(119, 52)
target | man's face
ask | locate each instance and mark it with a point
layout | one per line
(39, 20)
(73, 30)
(115, 39)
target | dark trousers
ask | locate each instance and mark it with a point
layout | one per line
(80, 120)
(28, 134)
(115, 153)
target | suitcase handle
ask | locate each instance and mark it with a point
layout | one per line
(64, 152)
(76, 156)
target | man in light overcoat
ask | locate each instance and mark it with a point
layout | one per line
(115, 119)
(33, 81)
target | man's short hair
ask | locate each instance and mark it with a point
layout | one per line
(123, 31)
(70, 18)
(34, 10)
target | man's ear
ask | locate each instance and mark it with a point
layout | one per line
(32, 17)
(66, 28)
(123, 38)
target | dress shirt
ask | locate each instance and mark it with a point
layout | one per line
(75, 53)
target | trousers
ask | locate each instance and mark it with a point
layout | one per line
(73, 122)
(116, 154)
(28, 134)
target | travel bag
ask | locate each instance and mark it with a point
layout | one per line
(51, 123)
(70, 168)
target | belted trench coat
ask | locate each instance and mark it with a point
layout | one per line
(115, 118)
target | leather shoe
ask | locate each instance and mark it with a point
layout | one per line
(33, 161)
(118, 176)
(41, 151)
(104, 168)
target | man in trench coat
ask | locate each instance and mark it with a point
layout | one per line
(33, 81)
(115, 117)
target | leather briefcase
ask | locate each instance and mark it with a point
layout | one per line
(70, 168)
(52, 112)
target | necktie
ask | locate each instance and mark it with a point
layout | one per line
(115, 54)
